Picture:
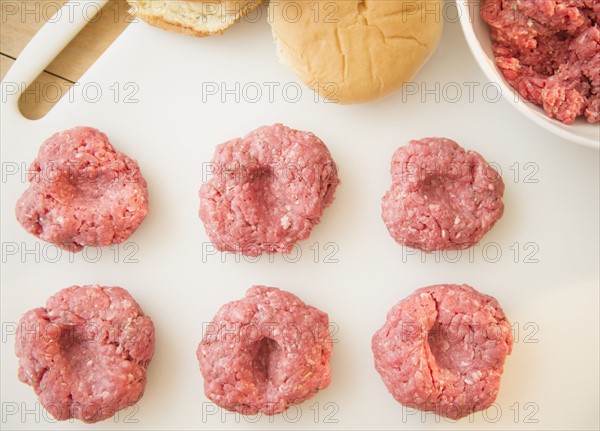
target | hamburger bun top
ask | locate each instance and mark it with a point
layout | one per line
(354, 51)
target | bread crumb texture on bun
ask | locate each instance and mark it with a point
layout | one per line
(354, 51)
(193, 17)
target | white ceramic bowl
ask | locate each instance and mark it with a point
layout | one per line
(478, 38)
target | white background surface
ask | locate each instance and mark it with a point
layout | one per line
(551, 380)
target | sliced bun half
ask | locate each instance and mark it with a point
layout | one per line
(193, 17)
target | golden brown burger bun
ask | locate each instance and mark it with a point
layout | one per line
(354, 51)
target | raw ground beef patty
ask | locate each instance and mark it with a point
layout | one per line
(442, 349)
(265, 352)
(85, 354)
(267, 191)
(442, 197)
(549, 51)
(82, 192)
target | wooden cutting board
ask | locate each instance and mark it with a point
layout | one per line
(21, 20)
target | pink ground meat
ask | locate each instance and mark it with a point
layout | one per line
(442, 197)
(268, 190)
(442, 349)
(85, 354)
(549, 51)
(265, 352)
(82, 192)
